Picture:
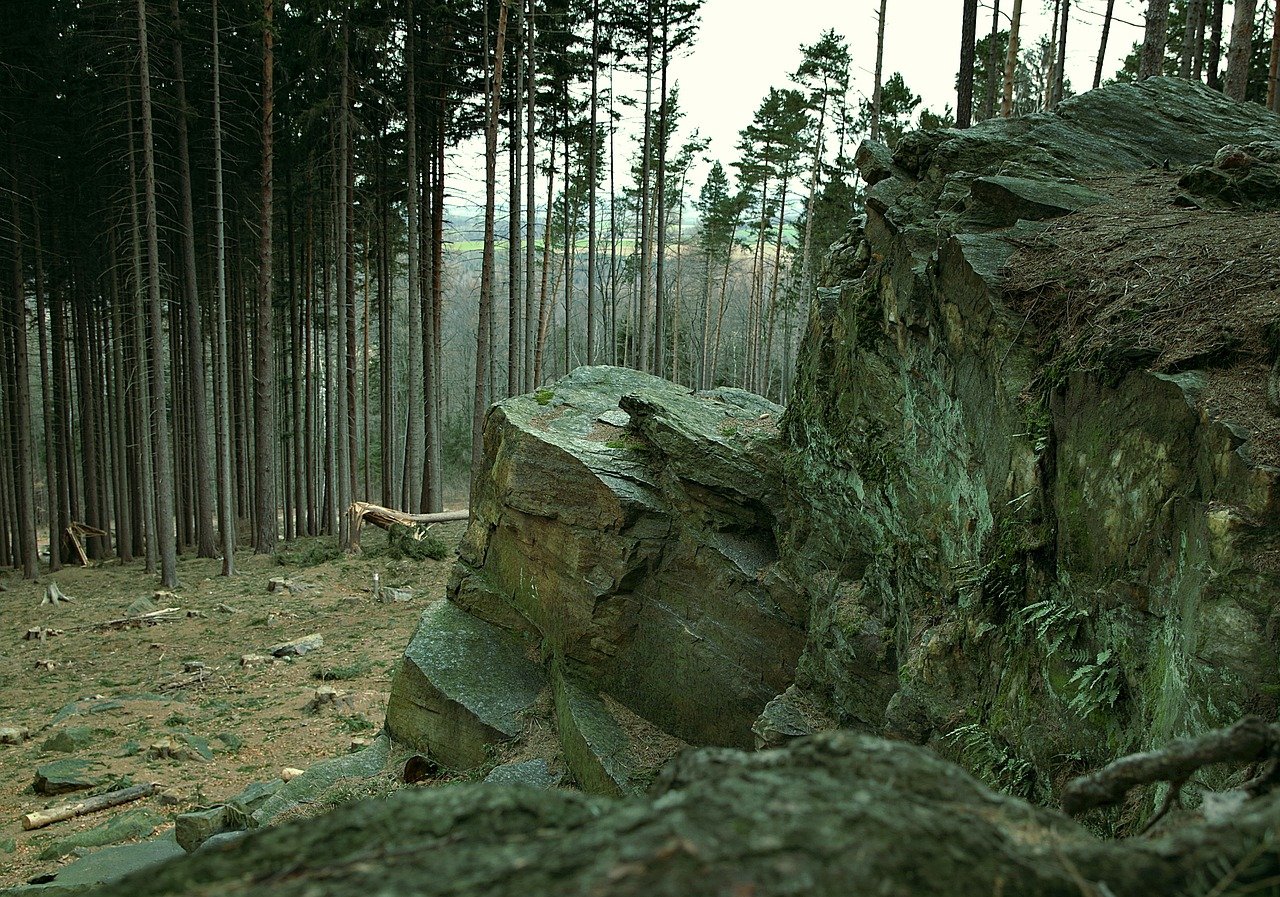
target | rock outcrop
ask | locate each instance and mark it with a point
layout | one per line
(621, 560)
(1022, 510)
(1029, 455)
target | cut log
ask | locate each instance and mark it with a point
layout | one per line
(41, 818)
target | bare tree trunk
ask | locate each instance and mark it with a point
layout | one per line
(297, 341)
(1011, 59)
(643, 360)
(205, 544)
(1151, 62)
(993, 55)
(265, 525)
(1049, 64)
(660, 209)
(1059, 72)
(165, 536)
(386, 349)
(1191, 36)
(222, 398)
(435, 370)
(364, 369)
(412, 477)
(530, 319)
(346, 330)
(878, 89)
(118, 424)
(1273, 77)
(51, 442)
(613, 228)
(24, 469)
(592, 304)
(964, 90)
(540, 341)
(569, 237)
(1214, 79)
(1241, 50)
(483, 345)
(141, 377)
(515, 279)
(1102, 46)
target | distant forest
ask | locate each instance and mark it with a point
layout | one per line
(245, 291)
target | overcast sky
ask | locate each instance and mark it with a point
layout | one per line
(746, 46)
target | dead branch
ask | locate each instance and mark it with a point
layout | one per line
(1248, 741)
(41, 818)
(163, 615)
(72, 536)
(198, 677)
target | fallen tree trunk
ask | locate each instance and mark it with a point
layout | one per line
(385, 518)
(41, 818)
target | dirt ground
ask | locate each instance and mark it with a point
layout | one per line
(136, 687)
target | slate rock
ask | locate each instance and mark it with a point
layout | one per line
(113, 863)
(462, 684)
(69, 740)
(297, 647)
(138, 822)
(194, 828)
(531, 773)
(63, 776)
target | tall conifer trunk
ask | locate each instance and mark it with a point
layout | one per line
(165, 535)
(206, 546)
(21, 409)
(483, 346)
(265, 524)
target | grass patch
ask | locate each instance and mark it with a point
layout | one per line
(309, 553)
(544, 396)
(354, 670)
(355, 724)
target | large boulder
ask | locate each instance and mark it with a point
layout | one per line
(622, 530)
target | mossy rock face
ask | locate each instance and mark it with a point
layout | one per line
(1031, 563)
(835, 814)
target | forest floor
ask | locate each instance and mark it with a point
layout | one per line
(134, 703)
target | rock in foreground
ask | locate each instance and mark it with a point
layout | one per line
(836, 814)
